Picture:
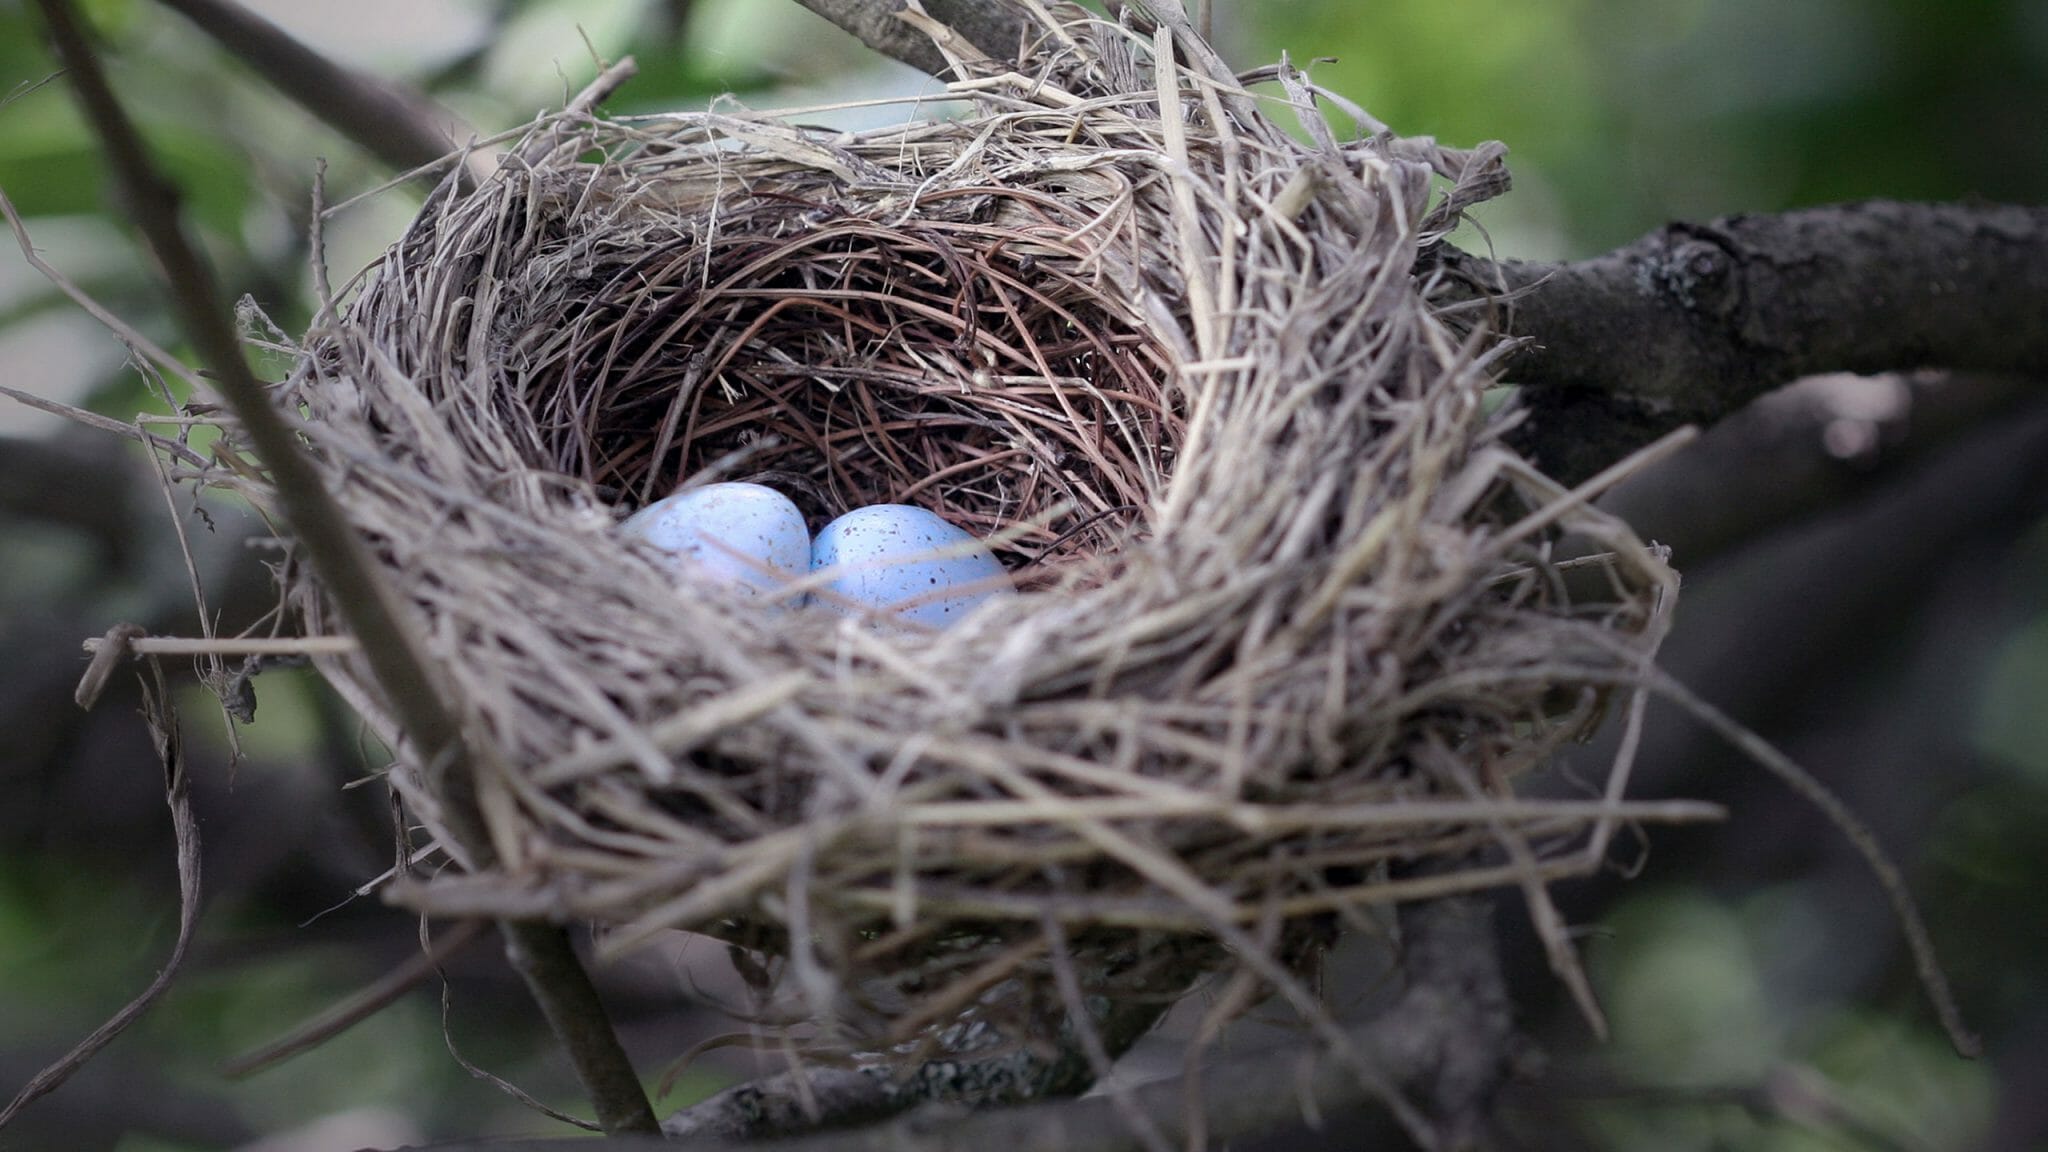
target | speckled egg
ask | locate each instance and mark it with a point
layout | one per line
(745, 535)
(885, 562)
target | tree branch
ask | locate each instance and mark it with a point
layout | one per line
(398, 125)
(368, 606)
(1691, 322)
(997, 27)
(1444, 1039)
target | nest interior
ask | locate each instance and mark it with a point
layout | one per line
(1291, 632)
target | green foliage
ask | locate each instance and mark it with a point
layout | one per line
(1713, 1062)
(1620, 115)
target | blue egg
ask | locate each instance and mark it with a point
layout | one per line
(748, 536)
(884, 558)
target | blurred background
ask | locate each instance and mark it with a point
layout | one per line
(1866, 565)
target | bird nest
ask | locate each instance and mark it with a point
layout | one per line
(1291, 630)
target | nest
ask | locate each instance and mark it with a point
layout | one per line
(1292, 627)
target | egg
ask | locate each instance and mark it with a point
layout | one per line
(748, 536)
(905, 561)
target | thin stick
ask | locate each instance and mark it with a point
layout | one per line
(1925, 963)
(585, 102)
(555, 977)
(358, 1007)
(235, 646)
(119, 327)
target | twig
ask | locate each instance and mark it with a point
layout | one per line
(368, 607)
(135, 340)
(582, 105)
(543, 955)
(1933, 978)
(108, 652)
(358, 1007)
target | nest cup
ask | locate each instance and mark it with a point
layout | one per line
(1291, 628)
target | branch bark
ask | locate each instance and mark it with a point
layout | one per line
(997, 27)
(1691, 322)
(817, 1099)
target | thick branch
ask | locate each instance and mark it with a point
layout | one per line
(997, 27)
(1693, 321)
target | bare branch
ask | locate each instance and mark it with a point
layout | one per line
(373, 614)
(997, 27)
(546, 960)
(339, 1017)
(789, 1103)
(1693, 321)
(400, 126)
